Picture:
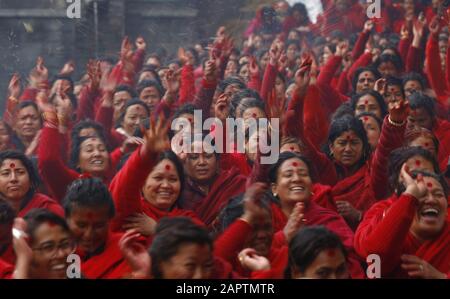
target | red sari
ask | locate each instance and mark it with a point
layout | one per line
(6, 270)
(385, 230)
(317, 215)
(108, 264)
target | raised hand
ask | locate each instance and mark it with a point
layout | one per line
(68, 68)
(274, 54)
(130, 144)
(399, 112)
(39, 75)
(368, 26)
(156, 137)
(95, 74)
(252, 207)
(136, 254)
(295, 222)
(210, 73)
(415, 187)
(23, 251)
(140, 43)
(222, 107)
(302, 77)
(182, 56)
(434, 26)
(14, 86)
(253, 67)
(251, 261)
(342, 48)
(380, 86)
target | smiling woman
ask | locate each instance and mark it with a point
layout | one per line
(19, 182)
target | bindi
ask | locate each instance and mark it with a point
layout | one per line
(418, 162)
(430, 185)
(167, 167)
(12, 165)
(331, 252)
(295, 164)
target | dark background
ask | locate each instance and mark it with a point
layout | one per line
(29, 28)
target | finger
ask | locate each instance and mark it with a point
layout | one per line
(410, 258)
(415, 273)
(411, 267)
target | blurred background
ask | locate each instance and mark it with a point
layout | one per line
(29, 28)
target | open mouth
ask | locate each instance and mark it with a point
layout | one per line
(164, 194)
(429, 214)
(297, 189)
(97, 162)
(59, 267)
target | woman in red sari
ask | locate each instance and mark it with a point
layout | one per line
(410, 231)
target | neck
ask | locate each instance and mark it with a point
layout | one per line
(288, 207)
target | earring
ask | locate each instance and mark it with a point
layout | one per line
(275, 194)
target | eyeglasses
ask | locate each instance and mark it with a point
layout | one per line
(50, 249)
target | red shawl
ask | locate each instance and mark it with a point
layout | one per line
(317, 215)
(6, 270)
(42, 201)
(385, 231)
(442, 132)
(109, 264)
(226, 185)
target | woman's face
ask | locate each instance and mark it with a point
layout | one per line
(293, 183)
(387, 69)
(280, 88)
(368, 103)
(51, 247)
(119, 101)
(290, 147)
(327, 53)
(163, 186)
(291, 52)
(231, 69)
(372, 129)
(5, 140)
(14, 180)
(28, 123)
(244, 73)
(150, 96)
(200, 166)
(432, 212)
(393, 96)
(411, 86)
(192, 261)
(94, 157)
(366, 82)
(134, 116)
(328, 264)
(89, 227)
(347, 149)
(426, 143)
(261, 236)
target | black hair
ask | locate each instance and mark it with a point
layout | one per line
(75, 148)
(36, 217)
(414, 77)
(66, 78)
(30, 168)
(245, 103)
(235, 209)
(420, 100)
(90, 193)
(399, 156)
(151, 69)
(231, 80)
(307, 244)
(370, 114)
(378, 97)
(130, 103)
(126, 88)
(394, 59)
(283, 157)
(349, 123)
(343, 109)
(150, 83)
(187, 108)
(361, 70)
(7, 213)
(394, 81)
(86, 124)
(29, 103)
(170, 234)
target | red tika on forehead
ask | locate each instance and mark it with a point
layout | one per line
(366, 102)
(292, 148)
(167, 167)
(331, 252)
(12, 165)
(426, 144)
(365, 118)
(90, 215)
(254, 114)
(295, 164)
(418, 162)
(51, 224)
(430, 185)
